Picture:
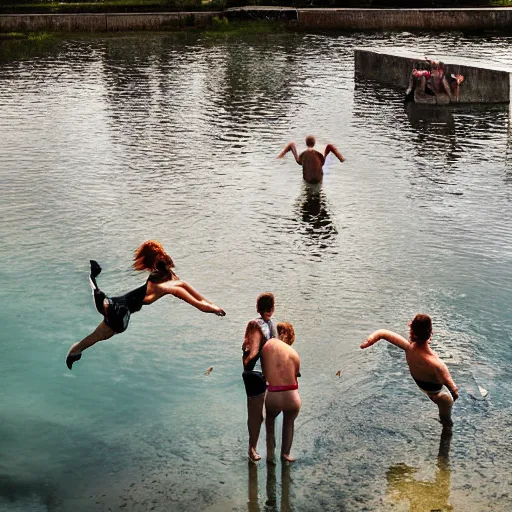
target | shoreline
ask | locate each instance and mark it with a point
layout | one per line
(354, 19)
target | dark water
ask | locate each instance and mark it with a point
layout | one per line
(107, 142)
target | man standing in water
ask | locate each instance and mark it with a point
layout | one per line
(312, 161)
(281, 366)
(427, 370)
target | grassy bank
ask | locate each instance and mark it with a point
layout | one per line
(100, 6)
(16, 45)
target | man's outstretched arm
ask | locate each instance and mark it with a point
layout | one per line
(383, 334)
(290, 147)
(330, 148)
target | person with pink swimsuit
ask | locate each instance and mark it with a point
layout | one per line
(281, 367)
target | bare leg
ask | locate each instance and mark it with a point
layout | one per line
(254, 421)
(444, 401)
(102, 332)
(288, 429)
(271, 440)
(446, 87)
(332, 149)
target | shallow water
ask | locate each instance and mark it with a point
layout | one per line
(107, 142)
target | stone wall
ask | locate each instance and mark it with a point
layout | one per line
(483, 83)
(406, 19)
(343, 19)
(101, 22)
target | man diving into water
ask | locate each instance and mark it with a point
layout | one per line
(312, 161)
(428, 371)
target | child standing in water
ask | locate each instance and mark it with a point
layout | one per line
(428, 371)
(257, 333)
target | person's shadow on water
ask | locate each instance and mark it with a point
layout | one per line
(271, 501)
(423, 494)
(314, 216)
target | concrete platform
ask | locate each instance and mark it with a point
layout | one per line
(483, 82)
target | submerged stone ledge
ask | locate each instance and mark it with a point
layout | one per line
(306, 18)
(483, 82)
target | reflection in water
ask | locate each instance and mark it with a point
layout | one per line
(423, 495)
(271, 501)
(26, 494)
(508, 151)
(314, 216)
(252, 502)
(439, 137)
(422, 116)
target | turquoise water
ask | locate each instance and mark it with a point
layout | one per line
(107, 142)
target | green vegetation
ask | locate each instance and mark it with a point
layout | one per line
(15, 45)
(100, 6)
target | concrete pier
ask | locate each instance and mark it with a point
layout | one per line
(483, 82)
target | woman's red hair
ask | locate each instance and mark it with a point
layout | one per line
(149, 254)
(288, 331)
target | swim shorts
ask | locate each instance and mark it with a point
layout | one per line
(255, 383)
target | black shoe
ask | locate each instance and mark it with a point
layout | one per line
(72, 359)
(95, 269)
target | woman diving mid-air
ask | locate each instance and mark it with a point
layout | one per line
(116, 311)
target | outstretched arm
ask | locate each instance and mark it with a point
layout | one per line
(383, 334)
(290, 147)
(330, 148)
(186, 292)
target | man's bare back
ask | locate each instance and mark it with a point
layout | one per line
(426, 368)
(280, 363)
(281, 366)
(311, 160)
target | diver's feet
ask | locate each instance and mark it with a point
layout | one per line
(95, 272)
(72, 358)
(286, 457)
(95, 269)
(254, 455)
(220, 312)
